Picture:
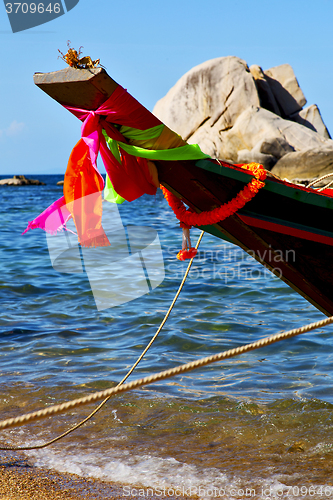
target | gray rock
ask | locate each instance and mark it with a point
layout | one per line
(287, 92)
(305, 164)
(213, 93)
(243, 115)
(255, 125)
(245, 156)
(310, 117)
(20, 180)
(266, 96)
(267, 152)
(208, 139)
(275, 146)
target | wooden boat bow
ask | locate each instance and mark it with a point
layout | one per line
(286, 227)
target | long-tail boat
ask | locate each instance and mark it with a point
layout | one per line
(285, 226)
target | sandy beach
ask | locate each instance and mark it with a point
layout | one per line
(21, 481)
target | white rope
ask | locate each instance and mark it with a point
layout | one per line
(97, 396)
(79, 424)
(319, 179)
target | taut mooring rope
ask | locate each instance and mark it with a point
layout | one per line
(72, 429)
(53, 410)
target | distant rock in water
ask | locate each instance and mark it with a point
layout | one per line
(20, 180)
(244, 114)
(60, 183)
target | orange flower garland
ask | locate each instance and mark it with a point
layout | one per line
(189, 218)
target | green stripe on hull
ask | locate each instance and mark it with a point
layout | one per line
(295, 193)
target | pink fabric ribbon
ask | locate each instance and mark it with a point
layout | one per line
(130, 178)
(53, 219)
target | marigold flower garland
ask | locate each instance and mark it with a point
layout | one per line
(189, 218)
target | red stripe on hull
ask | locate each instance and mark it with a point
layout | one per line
(292, 231)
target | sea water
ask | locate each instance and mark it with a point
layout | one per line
(259, 425)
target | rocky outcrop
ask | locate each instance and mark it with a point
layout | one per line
(211, 95)
(285, 88)
(243, 114)
(308, 163)
(257, 129)
(311, 118)
(20, 180)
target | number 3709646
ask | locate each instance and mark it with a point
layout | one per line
(33, 8)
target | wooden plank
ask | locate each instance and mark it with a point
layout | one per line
(81, 88)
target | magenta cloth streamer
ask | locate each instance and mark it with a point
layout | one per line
(53, 219)
(130, 178)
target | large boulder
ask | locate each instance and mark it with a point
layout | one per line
(287, 92)
(257, 135)
(213, 93)
(266, 96)
(305, 164)
(310, 117)
(243, 114)
(256, 128)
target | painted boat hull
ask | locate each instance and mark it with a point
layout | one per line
(286, 227)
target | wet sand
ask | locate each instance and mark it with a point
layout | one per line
(21, 481)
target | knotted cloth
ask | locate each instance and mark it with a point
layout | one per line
(124, 133)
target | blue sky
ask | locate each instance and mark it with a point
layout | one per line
(146, 46)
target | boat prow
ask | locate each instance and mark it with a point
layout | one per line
(286, 227)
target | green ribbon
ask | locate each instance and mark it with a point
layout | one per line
(141, 135)
(110, 194)
(187, 152)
